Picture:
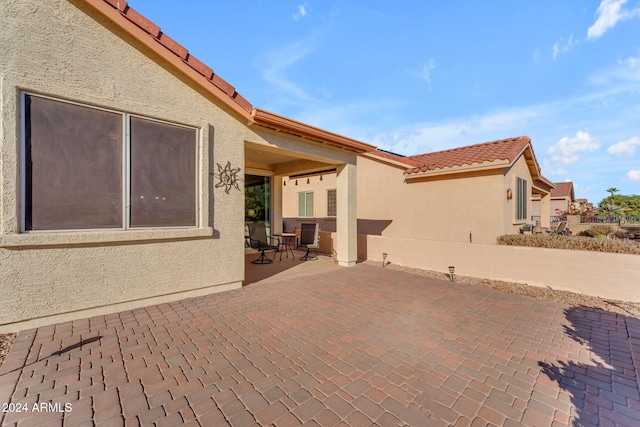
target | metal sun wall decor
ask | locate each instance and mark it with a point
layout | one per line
(228, 177)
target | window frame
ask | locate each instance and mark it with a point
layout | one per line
(521, 199)
(306, 193)
(126, 170)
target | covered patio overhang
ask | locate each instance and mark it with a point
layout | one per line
(540, 191)
(279, 147)
(540, 188)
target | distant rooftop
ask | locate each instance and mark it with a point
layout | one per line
(503, 149)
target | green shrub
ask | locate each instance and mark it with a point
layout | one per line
(569, 242)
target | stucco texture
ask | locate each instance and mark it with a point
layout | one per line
(67, 51)
(464, 207)
(605, 275)
(449, 208)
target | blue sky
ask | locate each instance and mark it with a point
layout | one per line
(413, 77)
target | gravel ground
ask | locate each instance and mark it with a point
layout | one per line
(545, 293)
(5, 344)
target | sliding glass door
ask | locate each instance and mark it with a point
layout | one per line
(257, 200)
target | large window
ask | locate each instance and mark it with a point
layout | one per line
(90, 168)
(331, 202)
(521, 199)
(305, 204)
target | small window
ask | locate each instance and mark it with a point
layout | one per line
(305, 204)
(331, 202)
(521, 199)
(81, 169)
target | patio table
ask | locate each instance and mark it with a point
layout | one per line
(288, 242)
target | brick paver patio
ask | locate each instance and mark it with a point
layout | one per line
(359, 346)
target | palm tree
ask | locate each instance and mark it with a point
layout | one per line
(610, 210)
(612, 190)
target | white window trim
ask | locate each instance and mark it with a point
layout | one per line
(106, 233)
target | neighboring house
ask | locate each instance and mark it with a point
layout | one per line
(123, 163)
(583, 204)
(467, 194)
(562, 198)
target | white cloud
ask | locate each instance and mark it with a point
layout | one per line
(558, 171)
(418, 138)
(536, 55)
(630, 68)
(624, 148)
(425, 73)
(633, 175)
(561, 47)
(302, 12)
(276, 65)
(623, 76)
(609, 13)
(567, 150)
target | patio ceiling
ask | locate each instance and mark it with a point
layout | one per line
(281, 162)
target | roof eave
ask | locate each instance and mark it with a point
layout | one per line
(280, 123)
(396, 163)
(112, 11)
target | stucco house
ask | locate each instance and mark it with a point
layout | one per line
(124, 161)
(562, 199)
(467, 194)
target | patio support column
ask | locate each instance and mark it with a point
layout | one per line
(346, 218)
(276, 204)
(545, 210)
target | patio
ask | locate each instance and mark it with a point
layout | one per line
(357, 346)
(287, 268)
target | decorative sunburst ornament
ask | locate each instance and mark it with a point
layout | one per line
(228, 177)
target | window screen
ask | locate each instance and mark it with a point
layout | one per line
(163, 181)
(73, 173)
(74, 170)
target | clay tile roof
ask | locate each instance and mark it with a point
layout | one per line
(180, 51)
(563, 189)
(503, 149)
(398, 158)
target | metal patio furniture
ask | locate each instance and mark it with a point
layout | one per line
(258, 239)
(309, 238)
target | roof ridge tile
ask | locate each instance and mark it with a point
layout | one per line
(501, 149)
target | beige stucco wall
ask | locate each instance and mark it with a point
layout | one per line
(448, 208)
(606, 275)
(519, 169)
(54, 48)
(456, 208)
(319, 187)
(561, 204)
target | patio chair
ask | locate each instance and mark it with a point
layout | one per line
(559, 230)
(259, 240)
(309, 238)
